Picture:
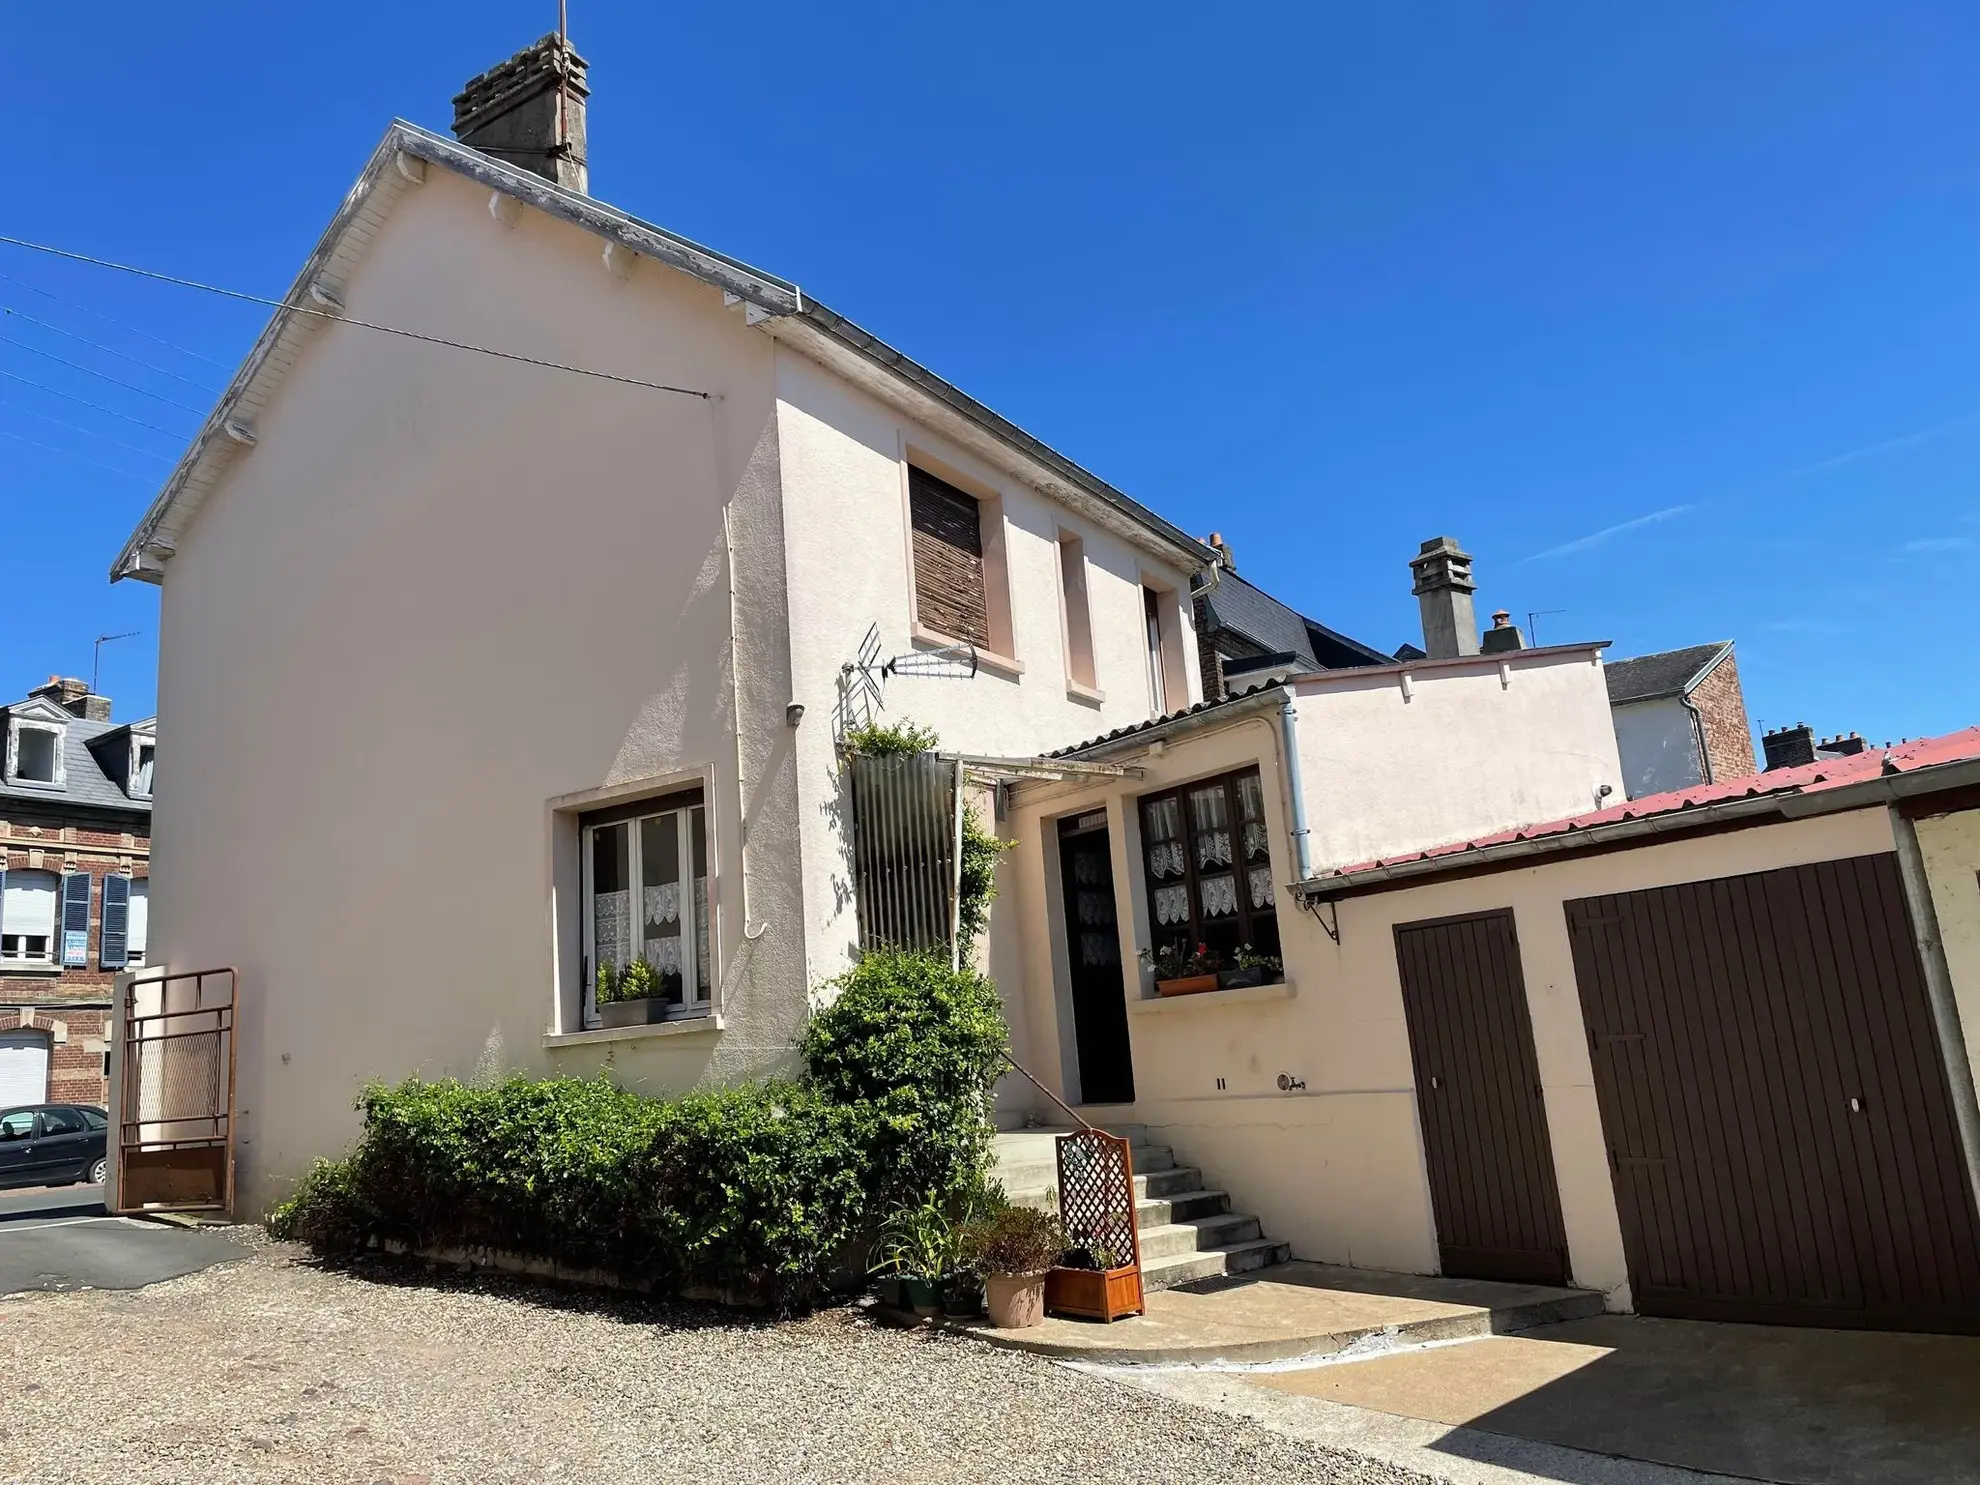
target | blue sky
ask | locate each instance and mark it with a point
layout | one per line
(1672, 315)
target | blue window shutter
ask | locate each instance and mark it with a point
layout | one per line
(113, 938)
(75, 920)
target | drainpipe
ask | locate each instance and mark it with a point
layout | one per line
(1301, 836)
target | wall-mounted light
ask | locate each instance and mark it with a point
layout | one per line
(794, 714)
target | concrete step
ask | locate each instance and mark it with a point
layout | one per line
(1183, 1206)
(1036, 1171)
(1196, 1235)
(1213, 1263)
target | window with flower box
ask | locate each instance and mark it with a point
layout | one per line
(1206, 854)
(646, 894)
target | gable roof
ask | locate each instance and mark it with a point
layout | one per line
(86, 782)
(778, 305)
(1932, 763)
(1248, 610)
(1666, 673)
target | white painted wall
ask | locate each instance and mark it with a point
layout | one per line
(441, 592)
(1395, 760)
(1658, 743)
(844, 457)
(1950, 847)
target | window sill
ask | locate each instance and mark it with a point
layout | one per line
(686, 1026)
(1006, 665)
(1091, 695)
(25, 968)
(1157, 1005)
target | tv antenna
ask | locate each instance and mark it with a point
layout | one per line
(1533, 618)
(96, 655)
(863, 679)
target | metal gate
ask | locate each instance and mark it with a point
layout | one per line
(1777, 1111)
(1485, 1143)
(175, 1110)
(907, 820)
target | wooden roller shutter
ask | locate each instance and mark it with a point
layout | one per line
(948, 559)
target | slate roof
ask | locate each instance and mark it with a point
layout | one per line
(1250, 611)
(1666, 673)
(85, 782)
(1166, 719)
(1809, 778)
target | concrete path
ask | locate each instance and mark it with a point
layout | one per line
(1621, 1400)
(62, 1238)
(1297, 1309)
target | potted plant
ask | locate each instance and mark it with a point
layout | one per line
(1253, 968)
(1181, 972)
(631, 997)
(917, 1246)
(1094, 1281)
(1013, 1249)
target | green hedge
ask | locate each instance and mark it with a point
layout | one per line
(763, 1186)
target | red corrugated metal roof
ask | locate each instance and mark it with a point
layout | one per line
(1809, 778)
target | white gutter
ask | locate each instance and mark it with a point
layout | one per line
(1302, 838)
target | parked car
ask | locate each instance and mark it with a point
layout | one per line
(53, 1144)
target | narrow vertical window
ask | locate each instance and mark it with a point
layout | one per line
(1078, 617)
(1158, 687)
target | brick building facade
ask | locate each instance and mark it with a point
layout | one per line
(75, 846)
(1680, 719)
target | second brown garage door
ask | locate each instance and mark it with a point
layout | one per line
(1779, 1123)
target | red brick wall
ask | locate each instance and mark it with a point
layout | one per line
(72, 1005)
(1722, 710)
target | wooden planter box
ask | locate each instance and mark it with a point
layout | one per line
(1192, 985)
(648, 1012)
(1092, 1294)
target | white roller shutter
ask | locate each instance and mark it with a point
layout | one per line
(140, 919)
(23, 1068)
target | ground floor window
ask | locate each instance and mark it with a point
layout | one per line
(646, 897)
(27, 916)
(1208, 864)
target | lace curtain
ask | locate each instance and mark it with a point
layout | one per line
(1167, 859)
(663, 903)
(1219, 896)
(1261, 887)
(1172, 904)
(611, 927)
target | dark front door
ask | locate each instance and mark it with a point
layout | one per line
(1093, 947)
(1485, 1139)
(1779, 1121)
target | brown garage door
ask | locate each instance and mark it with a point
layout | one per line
(1779, 1124)
(1478, 1088)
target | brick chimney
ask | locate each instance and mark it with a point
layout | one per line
(1503, 636)
(75, 698)
(1443, 590)
(1843, 747)
(529, 112)
(1789, 747)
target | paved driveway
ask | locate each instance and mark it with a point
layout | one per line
(61, 1238)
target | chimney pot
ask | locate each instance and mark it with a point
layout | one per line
(1443, 591)
(529, 112)
(75, 698)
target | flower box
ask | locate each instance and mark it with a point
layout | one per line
(1095, 1294)
(1188, 985)
(647, 1012)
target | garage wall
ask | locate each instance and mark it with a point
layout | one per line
(1536, 895)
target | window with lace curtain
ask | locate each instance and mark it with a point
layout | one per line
(1206, 855)
(646, 896)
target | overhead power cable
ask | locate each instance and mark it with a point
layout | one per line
(111, 320)
(78, 428)
(85, 402)
(35, 350)
(71, 454)
(108, 350)
(343, 319)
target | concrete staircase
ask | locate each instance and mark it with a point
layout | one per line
(1188, 1230)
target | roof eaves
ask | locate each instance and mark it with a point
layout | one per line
(378, 185)
(1202, 714)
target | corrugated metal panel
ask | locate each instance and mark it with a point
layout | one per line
(1777, 1111)
(904, 851)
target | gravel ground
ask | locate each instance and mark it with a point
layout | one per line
(274, 1369)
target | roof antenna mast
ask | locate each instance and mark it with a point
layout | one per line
(96, 656)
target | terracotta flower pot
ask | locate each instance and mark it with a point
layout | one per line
(1189, 985)
(1015, 1301)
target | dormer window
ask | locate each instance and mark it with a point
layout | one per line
(142, 751)
(34, 753)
